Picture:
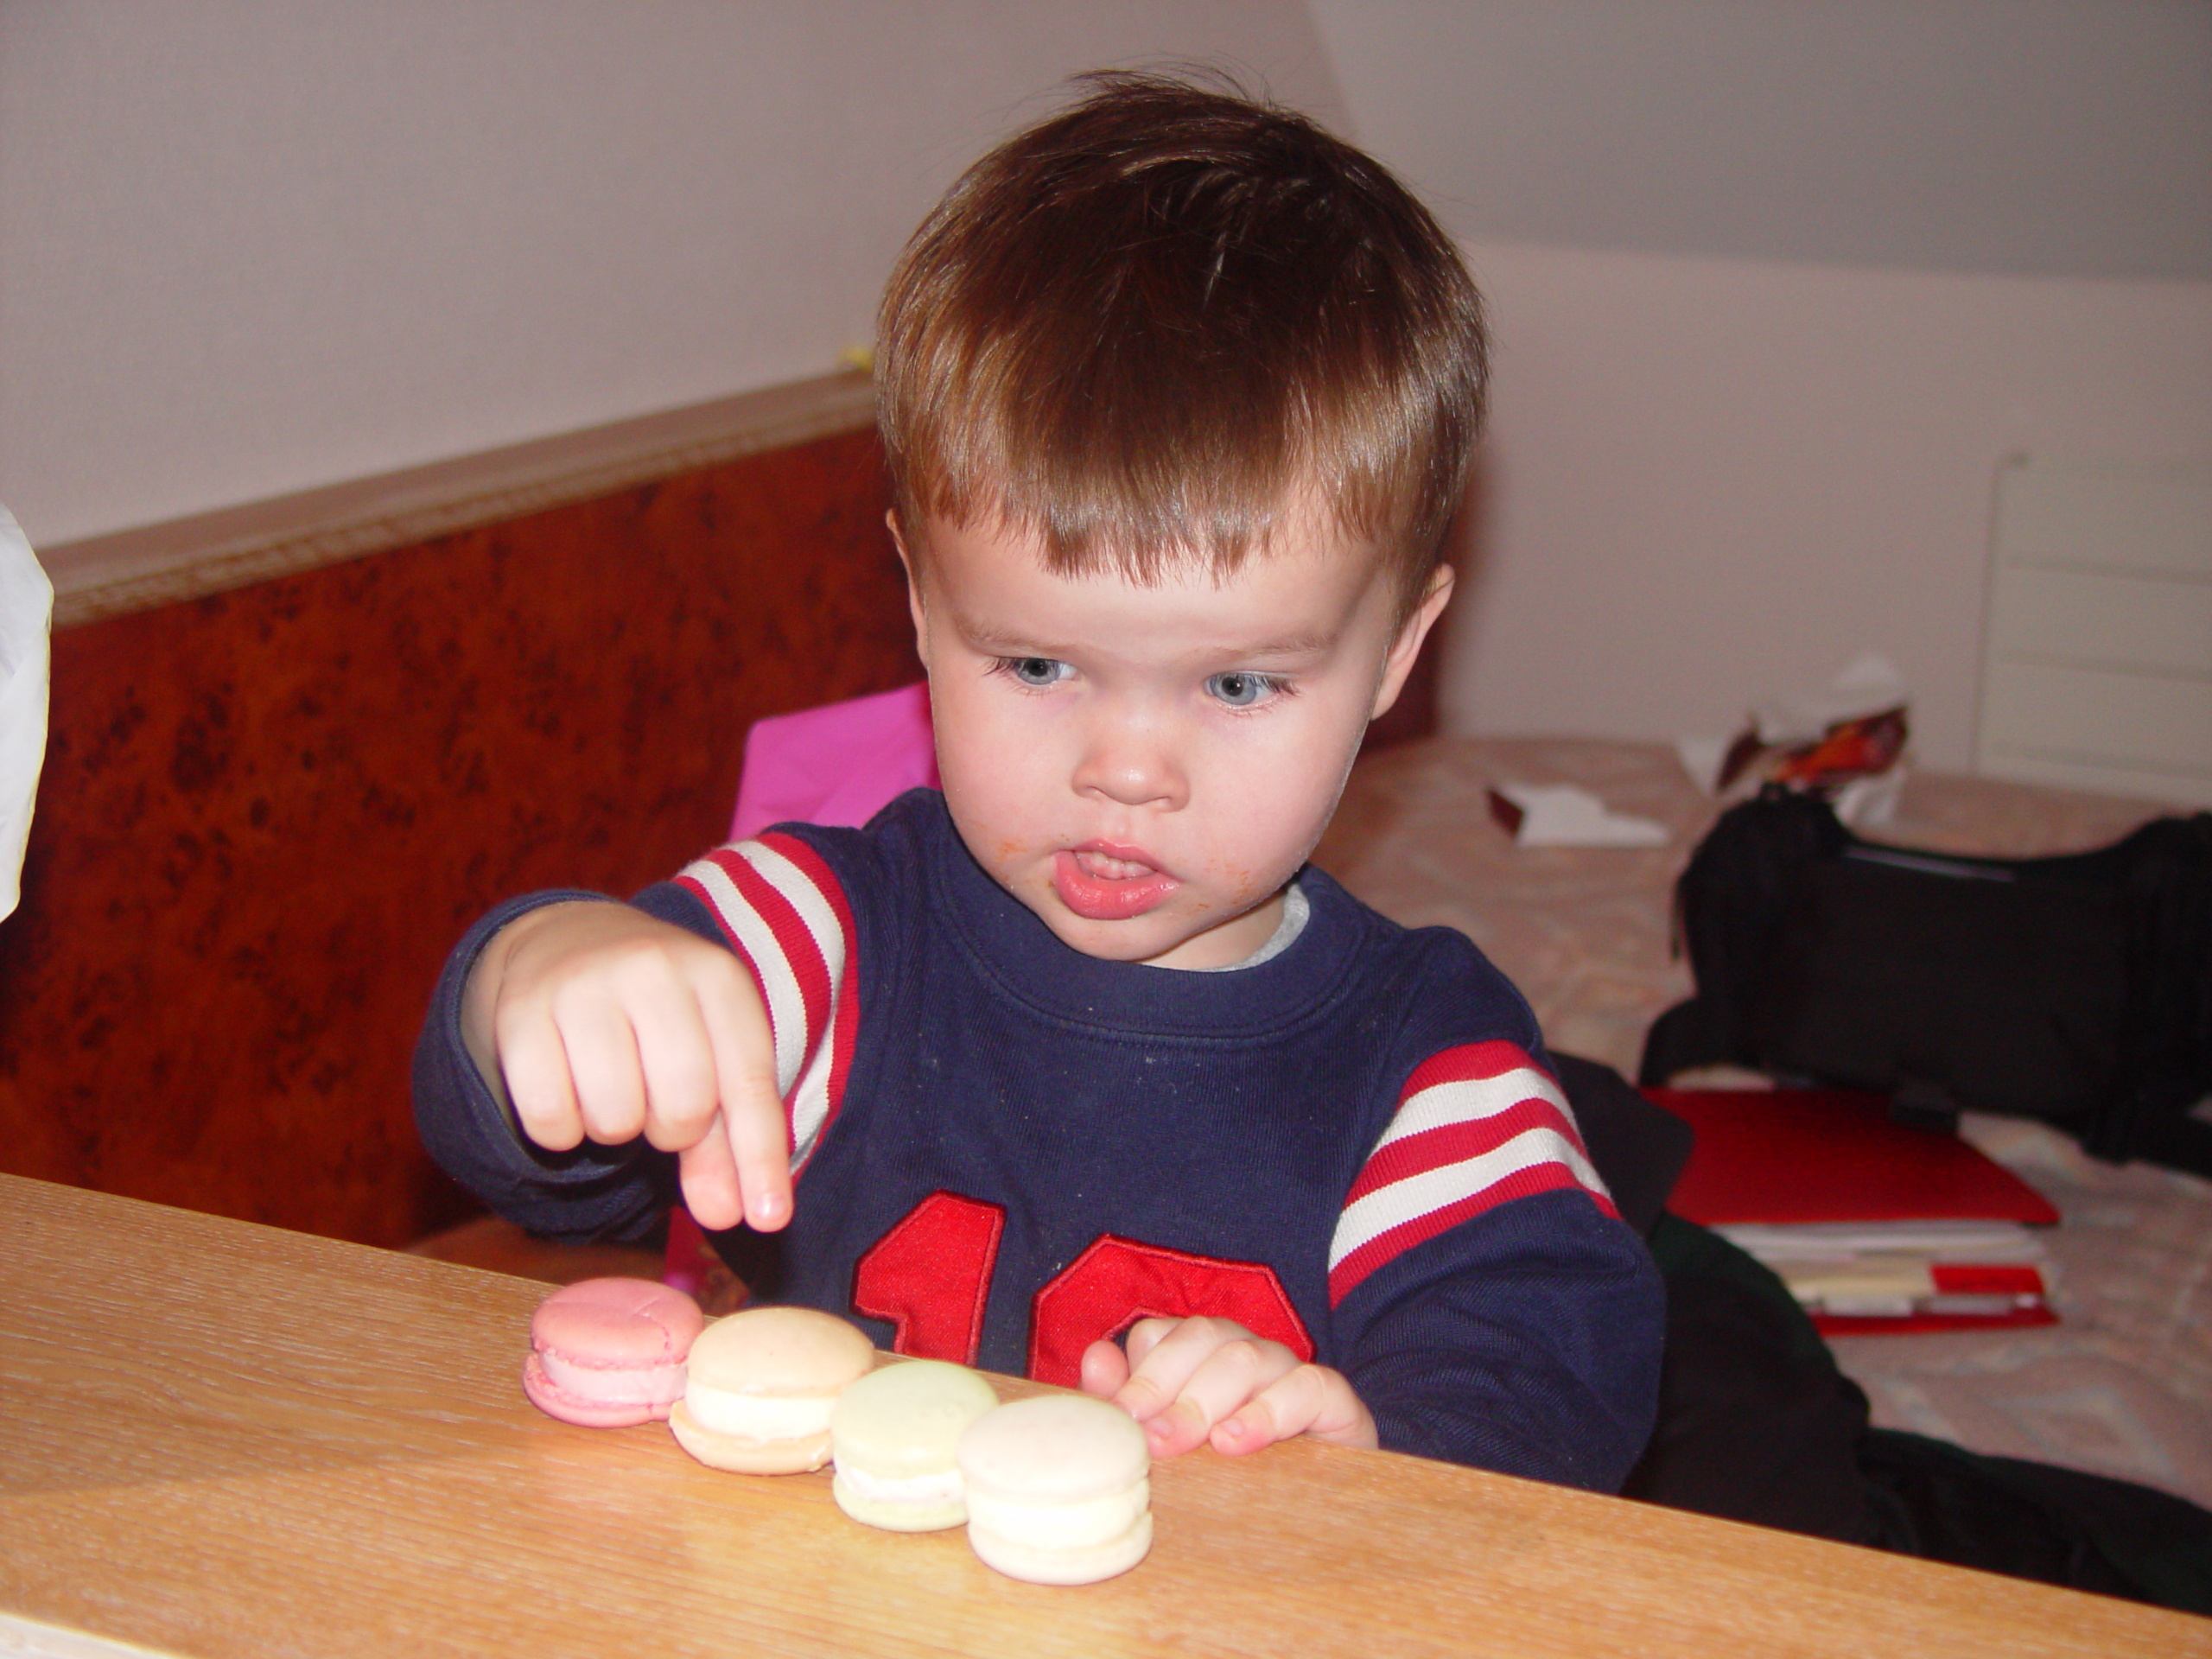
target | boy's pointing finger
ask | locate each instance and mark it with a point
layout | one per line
(752, 1115)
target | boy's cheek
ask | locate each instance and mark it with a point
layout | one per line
(979, 736)
(1001, 781)
(987, 805)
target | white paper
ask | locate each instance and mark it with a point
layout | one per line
(26, 614)
(1560, 815)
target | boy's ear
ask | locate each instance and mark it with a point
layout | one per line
(913, 591)
(1407, 647)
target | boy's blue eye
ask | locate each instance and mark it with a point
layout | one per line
(1038, 672)
(1240, 690)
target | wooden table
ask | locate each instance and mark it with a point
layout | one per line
(217, 1438)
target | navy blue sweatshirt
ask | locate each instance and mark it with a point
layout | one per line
(1005, 1149)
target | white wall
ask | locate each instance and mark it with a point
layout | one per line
(1712, 481)
(2050, 138)
(1777, 284)
(249, 246)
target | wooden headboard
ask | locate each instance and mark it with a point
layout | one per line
(268, 812)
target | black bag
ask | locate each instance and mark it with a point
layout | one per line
(2076, 988)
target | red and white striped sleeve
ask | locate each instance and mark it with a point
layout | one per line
(1476, 1126)
(782, 910)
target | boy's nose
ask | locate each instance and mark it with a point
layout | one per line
(1134, 765)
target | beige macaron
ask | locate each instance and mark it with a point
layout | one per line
(895, 1434)
(1058, 1489)
(761, 1387)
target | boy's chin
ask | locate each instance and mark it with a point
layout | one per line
(1136, 938)
(1125, 941)
(1156, 940)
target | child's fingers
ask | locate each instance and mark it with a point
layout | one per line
(752, 1115)
(534, 1065)
(1105, 1368)
(607, 1074)
(1193, 1376)
(682, 1090)
(1231, 1376)
(1308, 1400)
(1162, 1354)
(759, 1139)
(707, 1172)
(1144, 1336)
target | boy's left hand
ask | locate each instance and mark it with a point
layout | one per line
(1210, 1382)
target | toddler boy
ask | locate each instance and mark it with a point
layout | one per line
(1075, 1068)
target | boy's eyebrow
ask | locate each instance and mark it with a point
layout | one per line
(1293, 645)
(989, 639)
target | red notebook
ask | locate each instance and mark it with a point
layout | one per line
(1790, 1155)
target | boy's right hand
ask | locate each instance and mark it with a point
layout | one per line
(592, 1019)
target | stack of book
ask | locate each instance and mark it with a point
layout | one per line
(1873, 1225)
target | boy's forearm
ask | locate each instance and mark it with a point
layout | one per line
(1542, 1362)
(1533, 1422)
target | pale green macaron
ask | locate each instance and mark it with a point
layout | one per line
(895, 1434)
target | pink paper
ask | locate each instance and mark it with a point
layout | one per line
(839, 764)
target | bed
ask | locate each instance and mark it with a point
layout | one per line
(2122, 1385)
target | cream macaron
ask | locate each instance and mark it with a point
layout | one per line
(894, 1435)
(761, 1386)
(1058, 1489)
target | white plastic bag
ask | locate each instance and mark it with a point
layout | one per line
(26, 612)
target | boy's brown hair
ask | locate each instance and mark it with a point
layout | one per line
(1138, 328)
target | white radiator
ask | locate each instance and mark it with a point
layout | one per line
(2097, 665)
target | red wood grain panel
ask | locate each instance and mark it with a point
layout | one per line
(266, 815)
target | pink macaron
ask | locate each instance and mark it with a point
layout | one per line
(610, 1353)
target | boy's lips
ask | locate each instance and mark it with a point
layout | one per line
(1103, 882)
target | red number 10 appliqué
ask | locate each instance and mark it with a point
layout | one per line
(930, 1277)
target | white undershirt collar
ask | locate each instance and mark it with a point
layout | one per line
(1295, 910)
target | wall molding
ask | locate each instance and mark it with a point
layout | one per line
(206, 553)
